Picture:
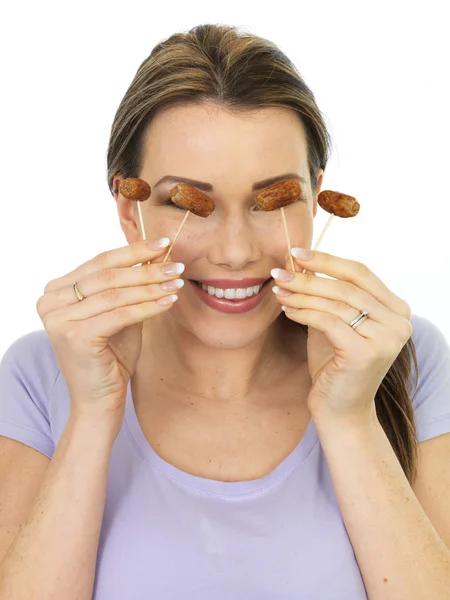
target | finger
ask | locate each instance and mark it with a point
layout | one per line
(391, 326)
(296, 301)
(107, 279)
(115, 298)
(358, 274)
(125, 256)
(110, 323)
(340, 335)
(341, 291)
(116, 302)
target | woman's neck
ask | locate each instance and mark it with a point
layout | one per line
(185, 365)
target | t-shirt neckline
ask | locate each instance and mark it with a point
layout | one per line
(212, 486)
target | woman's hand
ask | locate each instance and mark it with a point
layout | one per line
(346, 365)
(97, 341)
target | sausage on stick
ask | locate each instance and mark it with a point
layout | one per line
(137, 189)
(280, 195)
(336, 203)
(192, 200)
(183, 195)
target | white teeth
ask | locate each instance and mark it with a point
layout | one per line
(231, 293)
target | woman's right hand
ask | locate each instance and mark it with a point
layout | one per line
(97, 341)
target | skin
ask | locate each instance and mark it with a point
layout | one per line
(185, 398)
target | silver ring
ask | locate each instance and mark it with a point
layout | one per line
(359, 319)
(78, 294)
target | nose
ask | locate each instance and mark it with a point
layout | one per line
(235, 244)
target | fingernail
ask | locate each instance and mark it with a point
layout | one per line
(167, 300)
(280, 291)
(288, 308)
(171, 286)
(172, 269)
(282, 275)
(302, 253)
(156, 244)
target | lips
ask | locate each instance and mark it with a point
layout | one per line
(231, 305)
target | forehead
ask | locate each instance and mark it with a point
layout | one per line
(185, 138)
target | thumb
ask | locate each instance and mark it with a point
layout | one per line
(297, 268)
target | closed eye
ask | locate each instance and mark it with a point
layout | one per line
(169, 202)
(256, 209)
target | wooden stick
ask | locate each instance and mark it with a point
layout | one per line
(321, 236)
(176, 236)
(141, 220)
(283, 216)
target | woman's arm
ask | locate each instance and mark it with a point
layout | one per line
(54, 554)
(399, 553)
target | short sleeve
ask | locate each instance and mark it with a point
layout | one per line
(27, 377)
(431, 399)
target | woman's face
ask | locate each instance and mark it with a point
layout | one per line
(236, 247)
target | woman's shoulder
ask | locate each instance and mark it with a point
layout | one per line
(28, 374)
(30, 360)
(34, 353)
(431, 396)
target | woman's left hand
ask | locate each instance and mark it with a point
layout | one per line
(346, 365)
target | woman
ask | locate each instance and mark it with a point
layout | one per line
(211, 447)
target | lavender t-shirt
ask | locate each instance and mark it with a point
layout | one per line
(169, 535)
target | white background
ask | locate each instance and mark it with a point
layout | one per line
(379, 73)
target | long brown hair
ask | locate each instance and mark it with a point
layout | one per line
(239, 71)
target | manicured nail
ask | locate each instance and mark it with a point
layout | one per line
(167, 300)
(302, 253)
(288, 308)
(282, 275)
(171, 286)
(156, 244)
(280, 291)
(172, 269)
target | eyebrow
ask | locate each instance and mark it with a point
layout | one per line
(208, 187)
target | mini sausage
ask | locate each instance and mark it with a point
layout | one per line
(135, 188)
(190, 198)
(338, 204)
(279, 195)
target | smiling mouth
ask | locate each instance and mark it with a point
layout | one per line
(232, 293)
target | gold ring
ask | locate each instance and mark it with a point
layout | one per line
(78, 294)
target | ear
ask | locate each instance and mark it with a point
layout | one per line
(128, 213)
(320, 174)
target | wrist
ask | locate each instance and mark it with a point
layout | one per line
(346, 424)
(98, 429)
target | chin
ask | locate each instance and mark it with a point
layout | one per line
(228, 338)
(226, 331)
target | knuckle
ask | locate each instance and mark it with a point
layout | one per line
(150, 291)
(39, 306)
(332, 321)
(101, 259)
(307, 278)
(149, 271)
(50, 286)
(362, 269)
(406, 330)
(106, 276)
(407, 312)
(342, 307)
(110, 295)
